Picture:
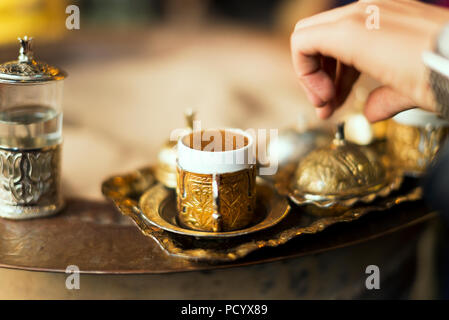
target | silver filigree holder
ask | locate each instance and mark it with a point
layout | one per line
(30, 182)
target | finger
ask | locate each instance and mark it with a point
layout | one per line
(348, 76)
(316, 82)
(343, 83)
(329, 65)
(330, 40)
(319, 86)
(325, 112)
(312, 97)
(384, 102)
(344, 79)
(308, 45)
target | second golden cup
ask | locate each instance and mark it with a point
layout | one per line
(414, 139)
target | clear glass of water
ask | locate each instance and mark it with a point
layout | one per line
(31, 115)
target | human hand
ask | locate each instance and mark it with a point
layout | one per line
(390, 54)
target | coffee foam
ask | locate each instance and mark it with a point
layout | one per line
(215, 140)
(237, 154)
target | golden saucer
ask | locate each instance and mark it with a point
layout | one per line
(158, 205)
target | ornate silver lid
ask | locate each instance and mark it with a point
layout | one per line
(26, 69)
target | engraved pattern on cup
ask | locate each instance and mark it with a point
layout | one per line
(413, 148)
(236, 199)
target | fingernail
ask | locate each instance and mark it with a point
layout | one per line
(321, 104)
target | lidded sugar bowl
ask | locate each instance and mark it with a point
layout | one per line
(30, 136)
(331, 179)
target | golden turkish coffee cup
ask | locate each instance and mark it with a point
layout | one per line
(216, 180)
(414, 138)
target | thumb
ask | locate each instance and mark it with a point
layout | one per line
(384, 102)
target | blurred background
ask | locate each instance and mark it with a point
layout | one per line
(135, 66)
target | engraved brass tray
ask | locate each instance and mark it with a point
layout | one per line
(158, 206)
(125, 190)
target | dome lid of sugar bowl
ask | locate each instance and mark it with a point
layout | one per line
(26, 69)
(342, 173)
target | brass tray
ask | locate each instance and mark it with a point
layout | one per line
(125, 191)
(158, 206)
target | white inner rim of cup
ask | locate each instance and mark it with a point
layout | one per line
(420, 118)
(210, 162)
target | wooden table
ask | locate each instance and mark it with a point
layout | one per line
(99, 240)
